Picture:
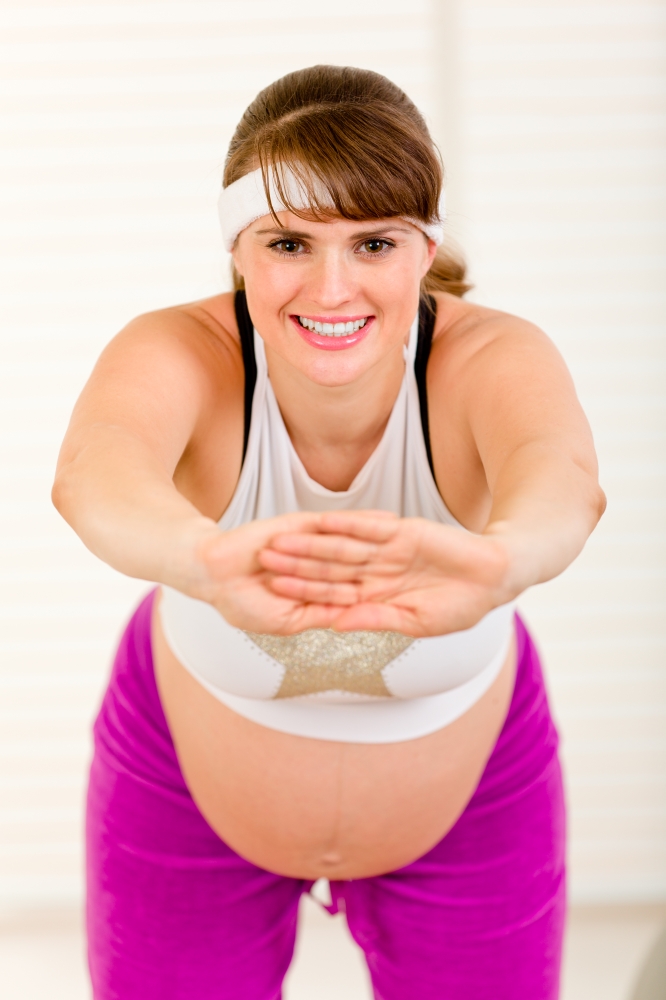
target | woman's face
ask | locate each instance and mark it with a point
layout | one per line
(305, 278)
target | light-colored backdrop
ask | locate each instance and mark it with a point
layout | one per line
(115, 120)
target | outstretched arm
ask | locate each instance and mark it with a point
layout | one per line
(516, 400)
(130, 427)
(536, 448)
(137, 416)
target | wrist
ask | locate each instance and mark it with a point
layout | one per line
(184, 566)
(520, 570)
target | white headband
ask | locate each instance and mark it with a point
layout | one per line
(245, 201)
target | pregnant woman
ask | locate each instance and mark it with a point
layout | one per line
(340, 477)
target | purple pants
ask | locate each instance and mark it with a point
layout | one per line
(173, 913)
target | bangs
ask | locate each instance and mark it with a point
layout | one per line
(352, 161)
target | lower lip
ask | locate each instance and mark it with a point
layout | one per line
(333, 343)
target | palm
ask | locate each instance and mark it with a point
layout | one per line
(429, 580)
(238, 586)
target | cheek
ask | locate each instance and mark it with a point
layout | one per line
(398, 283)
(270, 283)
(260, 268)
(270, 290)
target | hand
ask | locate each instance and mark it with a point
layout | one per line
(403, 574)
(230, 576)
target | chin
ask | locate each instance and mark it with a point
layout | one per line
(334, 372)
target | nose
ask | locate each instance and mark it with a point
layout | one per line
(331, 281)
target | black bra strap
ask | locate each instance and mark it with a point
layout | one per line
(427, 313)
(246, 333)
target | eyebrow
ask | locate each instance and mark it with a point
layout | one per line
(295, 234)
(285, 233)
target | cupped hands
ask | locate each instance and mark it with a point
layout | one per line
(354, 570)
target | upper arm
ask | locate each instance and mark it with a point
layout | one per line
(509, 387)
(156, 380)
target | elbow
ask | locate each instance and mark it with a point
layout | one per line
(61, 494)
(600, 504)
(56, 493)
(595, 500)
(592, 496)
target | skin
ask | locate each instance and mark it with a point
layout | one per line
(152, 458)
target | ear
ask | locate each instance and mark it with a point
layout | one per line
(236, 257)
(429, 257)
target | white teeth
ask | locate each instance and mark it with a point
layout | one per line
(332, 329)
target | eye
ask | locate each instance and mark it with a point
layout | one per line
(291, 248)
(376, 246)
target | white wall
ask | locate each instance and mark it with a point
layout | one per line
(564, 218)
(115, 124)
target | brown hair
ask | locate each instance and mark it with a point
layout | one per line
(353, 139)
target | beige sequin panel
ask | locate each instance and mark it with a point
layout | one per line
(322, 660)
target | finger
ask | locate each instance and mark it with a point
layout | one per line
(241, 544)
(309, 569)
(308, 521)
(376, 617)
(306, 616)
(370, 512)
(296, 521)
(314, 591)
(370, 526)
(336, 548)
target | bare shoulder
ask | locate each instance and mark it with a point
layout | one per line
(184, 353)
(482, 358)
(468, 336)
(166, 374)
(496, 377)
(201, 332)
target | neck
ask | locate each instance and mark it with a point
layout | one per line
(335, 429)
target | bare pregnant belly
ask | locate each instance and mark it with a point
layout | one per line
(311, 808)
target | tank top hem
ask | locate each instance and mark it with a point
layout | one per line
(370, 720)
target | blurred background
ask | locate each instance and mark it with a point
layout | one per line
(551, 119)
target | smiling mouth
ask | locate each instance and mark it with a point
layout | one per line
(332, 329)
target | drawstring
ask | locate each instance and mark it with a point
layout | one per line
(328, 894)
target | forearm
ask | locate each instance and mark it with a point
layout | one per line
(125, 508)
(545, 505)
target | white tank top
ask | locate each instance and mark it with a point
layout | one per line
(357, 687)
